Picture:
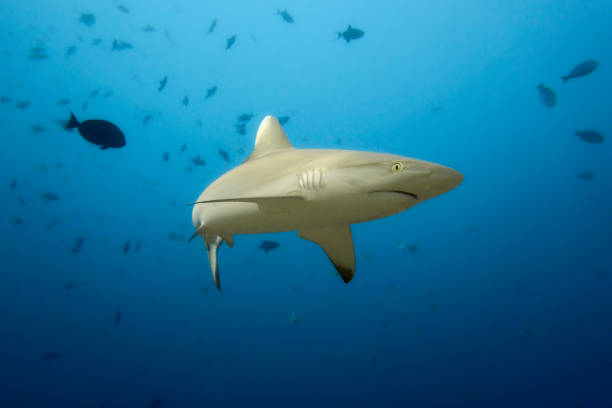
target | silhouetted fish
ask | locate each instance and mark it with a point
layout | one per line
(87, 19)
(285, 15)
(166, 156)
(38, 53)
(49, 196)
(50, 225)
(230, 41)
(581, 70)
(586, 175)
(20, 200)
(162, 83)
(71, 50)
(99, 132)
(13, 184)
(148, 28)
(146, 119)
(107, 94)
(94, 93)
(185, 101)
(5, 99)
(37, 57)
(117, 317)
(351, 34)
(121, 45)
(211, 91)
(48, 356)
(283, 119)
(224, 154)
(198, 161)
(22, 105)
(126, 247)
(17, 220)
(245, 117)
(63, 102)
(84, 107)
(590, 136)
(269, 245)
(156, 403)
(122, 8)
(241, 129)
(183, 147)
(212, 26)
(96, 41)
(547, 96)
(137, 247)
(78, 244)
(37, 128)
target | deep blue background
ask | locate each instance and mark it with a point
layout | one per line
(507, 302)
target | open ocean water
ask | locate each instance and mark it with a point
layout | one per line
(495, 294)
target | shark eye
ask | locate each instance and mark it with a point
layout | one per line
(397, 166)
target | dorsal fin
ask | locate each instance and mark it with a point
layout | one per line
(270, 138)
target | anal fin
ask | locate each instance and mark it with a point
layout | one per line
(337, 242)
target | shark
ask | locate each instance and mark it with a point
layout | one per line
(319, 193)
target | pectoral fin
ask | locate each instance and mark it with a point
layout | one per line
(212, 246)
(337, 242)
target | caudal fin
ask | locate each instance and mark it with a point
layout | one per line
(73, 122)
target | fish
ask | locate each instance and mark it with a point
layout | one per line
(22, 105)
(241, 129)
(435, 109)
(5, 99)
(547, 96)
(156, 403)
(84, 107)
(21, 200)
(295, 318)
(148, 28)
(49, 196)
(198, 161)
(121, 45)
(87, 19)
(183, 147)
(285, 15)
(318, 192)
(63, 102)
(107, 94)
(71, 50)
(162, 83)
(586, 175)
(224, 154)
(245, 117)
(49, 356)
(283, 120)
(126, 247)
(13, 184)
(78, 244)
(166, 156)
(413, 249)
(50, 225)
(117, 317)
(146, 119)
(138, 245)
(96, 41)
(185, 101)
(17, 220)
(94, 93)
(210, 92)
(581, 70)
(37, 128)
(37, 56)
(230, 41)
(123, 9)
(98, 131)
(268, 246)
(590, 136)
(351, 34)
(212, 26)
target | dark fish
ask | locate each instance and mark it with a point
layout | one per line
(148, 29)
(166, 156)
(230, 42)
(198, 161)
(241, 129)
(212, 26)
(146, 119)
(586, 175)
(547, 96)
(87, 19)
(224, 154)
(211, 91)
(22, 105)
(70, 285)
(285, 15)
(117, 317)
(48, 356)
(185, 101)
(283, 119)
(581, 70)
(37, 56)
(121, 45)
(20, 200)
(17, 220)
(78, 243)
(58, 165)
(126, 247)
(137, 247)
(5, 99)
(97, 131)
(51, 225)
(94, 93)
(39, 49)
(162, 83)
(63, 102)
(71, 50)
(37, 128)
(48, 197)
(107, 94)
(96, 41)
(590, 136)
(13, 184)
(183, 147)
(245, 117)
(413, 249)
(122, 8)
(351, 34)
(84, 107)
(269, 245)
(156, 403)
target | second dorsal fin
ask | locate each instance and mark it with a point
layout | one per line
(270, 138)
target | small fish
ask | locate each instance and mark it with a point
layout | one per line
(245, 117)
(166, 156)
(586, 175)
(351, 34)
(183, 147)
(21, 200)
(156, 403)
(121, 45)
(211, 91)
(285, 15)
(50, 225)
(13, 184)
(198, 161)
(148, 28)
(230, 41)
(17, 220)
(97, 131)
(295, 318)
(212, 26)
(547, 96)
(283, 119)
(49, 196)
(126, 247)
(37, 128)
(71, 50)
(70, 285)
(78, 243)
(39, 49)
(51, 355)
(87, 19)
(435, 109)
(5, 99)
(63, 102)
(96, 41)
(22, 105)
(267, 246)
(84, 107)
(94, 93)
(117, 317)
(146, 119)
(185, 101)
(37, 56)
(581, 70)
(122, 8)
(224, 154)
(241, 129)
(107, 94)
(137, 247)
(413, 249)
(162, 83)
(590, 136)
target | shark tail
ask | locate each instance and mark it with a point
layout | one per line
(72, 122)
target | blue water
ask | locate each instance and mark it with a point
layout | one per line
(506, 303)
